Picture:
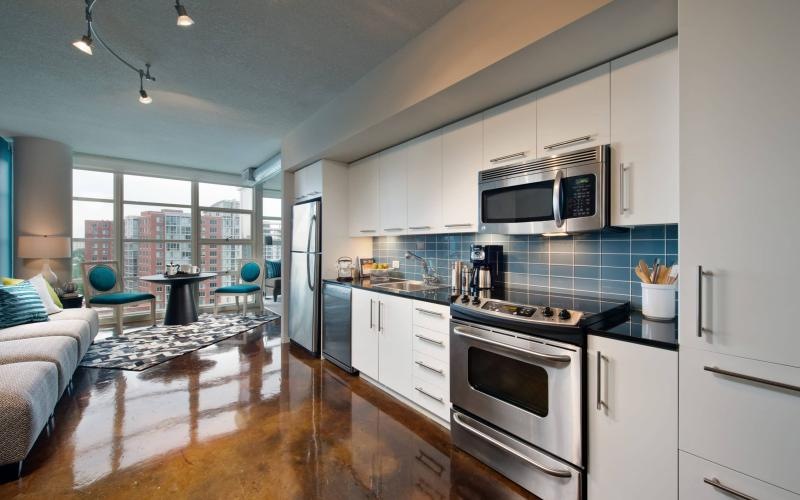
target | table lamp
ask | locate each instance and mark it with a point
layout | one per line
(45, 247)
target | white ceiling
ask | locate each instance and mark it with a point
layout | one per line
(228, 89)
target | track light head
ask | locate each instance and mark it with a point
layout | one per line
(144, 98)
(84, 44)
(184, 20)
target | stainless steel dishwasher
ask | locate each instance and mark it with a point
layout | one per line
(336, 325)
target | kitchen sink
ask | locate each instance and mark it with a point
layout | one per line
(408, 286)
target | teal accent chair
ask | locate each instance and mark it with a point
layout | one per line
(102, 287)
(249, 275)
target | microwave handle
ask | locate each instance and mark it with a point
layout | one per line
(557, 199)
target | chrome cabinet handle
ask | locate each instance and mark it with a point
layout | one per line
(393, 229)
(623, 191)
(568, 142)
(371, 324)
(429, 340)
(429, 367)
(507, 157)
(458, 225)
(750, 378)
(366, 231)
(700, 275)
(380, 322)
(419, 227)
(557, 199)
(600, 402)
(549, 357)
(508, 449)
(727, 489)
(432, 313)
(436, 398)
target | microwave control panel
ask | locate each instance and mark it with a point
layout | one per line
(579, 196)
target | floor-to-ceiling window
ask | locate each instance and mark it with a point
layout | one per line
(93, 228)
(271, 222)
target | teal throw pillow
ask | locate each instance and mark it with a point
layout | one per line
(20, 304)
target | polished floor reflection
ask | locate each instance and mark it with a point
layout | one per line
(248, 417)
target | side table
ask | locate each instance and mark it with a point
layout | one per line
(72, 302)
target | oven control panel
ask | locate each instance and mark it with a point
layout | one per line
(520, 312)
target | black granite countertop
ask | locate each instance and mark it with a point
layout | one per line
(441, 296)
(640, 330)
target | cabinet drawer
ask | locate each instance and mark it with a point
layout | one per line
(748, 426)
(432, 316)
(432, 398)
(430, 343)
(433, 371)
(696, 474)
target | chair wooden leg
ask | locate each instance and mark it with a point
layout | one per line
(216, 298)
(244, 306)
(237, 304)
(153, 311)
(118, 313)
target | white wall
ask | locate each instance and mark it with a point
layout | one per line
(42, 197)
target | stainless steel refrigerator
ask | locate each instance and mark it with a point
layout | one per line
(304, 298)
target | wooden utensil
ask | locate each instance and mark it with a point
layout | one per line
(642, 276)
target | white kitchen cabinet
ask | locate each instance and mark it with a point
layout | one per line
(573, 113)
(462, 159)
(365, 337)
(424, 188)
(308, 182)
(704, 480)
(633, 435)
(363, 208)
(748, 426)
(644, 136)
(509, 132)
(394, 328)
(392, 191)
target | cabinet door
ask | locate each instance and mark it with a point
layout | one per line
(633, 437)
(365, 334)
(425, 183)
(363, 197)
(739, 181)
(573, 113)
(308, 182)
(462, 155)
(394, 329)
(509, 132)
(392, 194)
(644, 136)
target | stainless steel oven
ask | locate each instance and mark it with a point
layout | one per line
(563, 193)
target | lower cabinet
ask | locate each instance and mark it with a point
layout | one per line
(704, 480)
(632, 413)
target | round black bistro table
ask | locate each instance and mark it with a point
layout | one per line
(181, 309)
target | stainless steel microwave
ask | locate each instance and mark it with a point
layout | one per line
(564, 193)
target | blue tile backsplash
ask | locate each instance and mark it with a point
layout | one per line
(595, 264)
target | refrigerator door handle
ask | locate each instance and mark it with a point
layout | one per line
(308, 272)
(310, 232)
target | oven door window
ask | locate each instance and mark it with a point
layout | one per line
(530, 202)
(521, 384)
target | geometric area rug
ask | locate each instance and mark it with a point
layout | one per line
(141, 349)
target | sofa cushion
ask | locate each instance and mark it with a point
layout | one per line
(82, 313)
(238, 289)
(20, 304)
(115, 299)
(78, 329)
(61, 351)
(28, 395)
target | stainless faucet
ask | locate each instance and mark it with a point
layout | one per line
(429, 275)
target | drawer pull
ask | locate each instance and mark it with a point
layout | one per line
(429, 367)
(458, 225)
(393, 229)
(418, 228)
(507, 157)
(771, 383)
(429, 340)
(570, 141)
(435, 398)
(727, 489)
(432, 313)
(366, 231)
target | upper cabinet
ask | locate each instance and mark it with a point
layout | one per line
(509, 132)
(363, 199)
(424, 159)
(392, 192)
(644, 136)
(573, 113)
(462, 159)
(308, 182)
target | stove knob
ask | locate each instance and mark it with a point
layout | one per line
(476, 300)
(465, 299)
(564, 314)
(547, 312)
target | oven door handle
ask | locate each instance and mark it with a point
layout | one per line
(549, 357)
(508, 449)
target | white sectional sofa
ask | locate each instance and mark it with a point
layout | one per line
(37, 361)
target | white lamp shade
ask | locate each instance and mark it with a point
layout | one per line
(44, 247)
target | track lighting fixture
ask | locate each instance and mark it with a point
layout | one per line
(84, 44)
(184, 20)
(143, 97)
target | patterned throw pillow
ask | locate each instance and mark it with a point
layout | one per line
(273, 269)
(20, 304)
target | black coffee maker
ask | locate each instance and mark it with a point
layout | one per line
(486, 266)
